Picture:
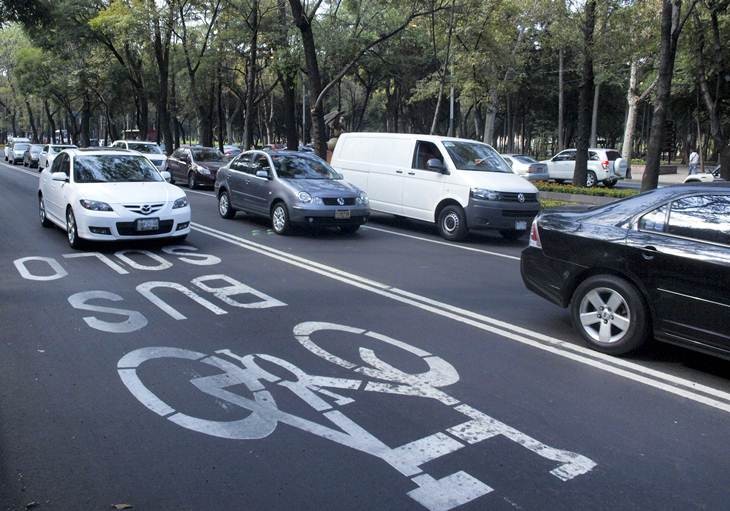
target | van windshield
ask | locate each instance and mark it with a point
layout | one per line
(476, 156)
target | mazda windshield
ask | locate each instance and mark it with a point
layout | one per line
(114, 168)
(303, 167)
(475, 156)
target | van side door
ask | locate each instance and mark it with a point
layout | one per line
(423, 188)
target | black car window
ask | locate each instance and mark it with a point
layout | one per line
(425, 151)
(655, 220)
(177, 154)
(701, 217)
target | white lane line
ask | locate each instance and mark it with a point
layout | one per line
(445, 243)
(619, 367)
(199, 193)
(20, 169)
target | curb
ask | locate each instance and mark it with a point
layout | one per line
(595, 200)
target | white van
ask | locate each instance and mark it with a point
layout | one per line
(459, 184)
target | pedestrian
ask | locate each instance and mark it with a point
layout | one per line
(694, 161)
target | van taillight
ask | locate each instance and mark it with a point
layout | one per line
(535, 235)
(605, 164)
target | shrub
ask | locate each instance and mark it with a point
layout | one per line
(599, 191)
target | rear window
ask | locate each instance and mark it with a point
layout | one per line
(613, 155)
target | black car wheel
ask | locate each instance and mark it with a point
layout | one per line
(452, 223)
(511, 234)
(192, 181)
(42, 212)
(610, 314)
(224, 205)
(349, 229)
(280, 219)
(610, 183)
(72, 231)
(591, 179)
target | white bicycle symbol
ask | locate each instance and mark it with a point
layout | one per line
(321, 393)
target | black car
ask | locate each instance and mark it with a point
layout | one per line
(656, 264)
(195, 165)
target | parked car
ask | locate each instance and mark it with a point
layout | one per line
(231, 151)
(195, 165)
(11, 141)
(274, 147)
(604, 166)
(656, 264)
(459, 184)
(49, 152)
(150, 149)
(291, 188)
(110, 195)
(15, 155)
(527, 167)
(710, 175)
(31, 155)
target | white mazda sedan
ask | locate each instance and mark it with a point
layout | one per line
(106, 195)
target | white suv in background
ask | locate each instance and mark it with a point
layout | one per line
(151, 150)
(604, 166)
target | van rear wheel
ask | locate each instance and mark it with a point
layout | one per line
(452, 223)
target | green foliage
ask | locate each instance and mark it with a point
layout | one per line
(596, 191)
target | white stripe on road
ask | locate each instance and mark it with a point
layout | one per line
(620, 367)
(438, 242)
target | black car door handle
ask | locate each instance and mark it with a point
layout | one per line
(648, 252)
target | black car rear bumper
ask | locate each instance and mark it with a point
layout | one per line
(550, 278)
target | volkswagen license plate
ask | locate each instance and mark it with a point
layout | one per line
(148, 224)
(342, 214)
(521, 225)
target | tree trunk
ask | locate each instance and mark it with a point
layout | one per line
(561, 108)
(31, 119)
(51, 122)
(315, 80)
(585, 97)
(221, 118)
(162, 59)
(670, 29)
(632, 102)
(594, 116)
(85, 121)
(251, 74)
(490, 121)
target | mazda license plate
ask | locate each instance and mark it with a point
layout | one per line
(343, 214)
(148, 224)
(521, 225)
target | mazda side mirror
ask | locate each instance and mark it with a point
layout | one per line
(436, 165)
(166, 175)
(59, 176)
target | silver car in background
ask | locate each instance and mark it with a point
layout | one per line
(290, 188)
(527, 167)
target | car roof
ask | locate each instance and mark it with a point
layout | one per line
(136, 141)
(96, 151)
(424, 138)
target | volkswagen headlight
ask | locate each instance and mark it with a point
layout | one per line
(180, 203)
(484, 194)
(362, 199)
(304, 197)
(95, 205)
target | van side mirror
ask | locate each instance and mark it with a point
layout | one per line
(436, 165)
(262, 173)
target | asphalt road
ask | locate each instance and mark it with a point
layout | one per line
(382, 370)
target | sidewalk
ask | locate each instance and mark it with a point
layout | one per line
(637, 172)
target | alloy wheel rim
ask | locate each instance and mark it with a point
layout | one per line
(451, 222)
(42, 210)
(223, 204)
(71, 227)
(191, 181)
(605, 315)
(590, 180)
(279, 218)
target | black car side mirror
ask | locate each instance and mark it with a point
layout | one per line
(436, 165)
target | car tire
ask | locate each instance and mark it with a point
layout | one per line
(452, 223)
(349, 229)
(511, 234)
(620, 299)
(280, 219)
(610, 183)
(225, 209)
(591, 179)
(72, 232)
(42, 212)
(192, 181)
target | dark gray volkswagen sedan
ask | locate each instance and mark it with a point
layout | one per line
(291, 188)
